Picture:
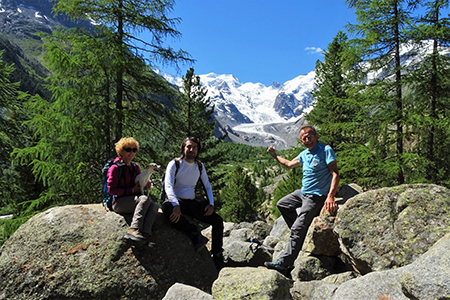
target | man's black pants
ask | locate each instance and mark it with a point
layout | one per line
(196, 209)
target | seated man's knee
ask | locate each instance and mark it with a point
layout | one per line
(167, 208)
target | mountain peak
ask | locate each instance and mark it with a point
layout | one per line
(275, 85)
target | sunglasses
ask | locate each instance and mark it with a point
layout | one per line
(131, 149)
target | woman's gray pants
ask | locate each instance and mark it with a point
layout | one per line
(143, 209)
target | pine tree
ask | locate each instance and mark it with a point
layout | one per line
(10, 131)
(239, 197)
(335, 113)
(194, 112)
(16, 183)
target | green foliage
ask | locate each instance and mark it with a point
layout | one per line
(334, 111)
(101, 91)
(427, 106)
(194, 111)
(239, 197)
(9, 226)
(16, 182)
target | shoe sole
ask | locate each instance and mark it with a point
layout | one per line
(132, 238)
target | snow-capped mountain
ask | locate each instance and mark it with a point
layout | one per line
(23, 18)
(255, 114)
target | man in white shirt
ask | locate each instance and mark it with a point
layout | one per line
(180, 181)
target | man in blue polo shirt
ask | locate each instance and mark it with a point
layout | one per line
(319, 185)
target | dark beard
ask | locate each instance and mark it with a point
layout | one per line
(190, 156)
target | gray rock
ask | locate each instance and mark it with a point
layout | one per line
(392, 227)
(244, 225)
(320, 238)
(251, 283)
(271, 241)
(309, 267)
(260, 230)
(427, 278)
(341, 277)
(279, 248)
(228, 227)
(243, 254)
(348, 191)
(180, 291)
(313, 290)
(239, 235)
(280, 229)
(77, 252)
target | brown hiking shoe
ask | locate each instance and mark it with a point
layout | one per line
(135, 235)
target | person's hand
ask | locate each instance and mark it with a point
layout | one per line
(136, 188)
(271, 151)
(176, 214)
(148, 185)
(209, 209)
(330, 204)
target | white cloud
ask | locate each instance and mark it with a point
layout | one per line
(313, 50)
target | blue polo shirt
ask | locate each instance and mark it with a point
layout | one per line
(316, 175)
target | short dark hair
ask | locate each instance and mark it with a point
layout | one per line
(192, 139)
(314, 131)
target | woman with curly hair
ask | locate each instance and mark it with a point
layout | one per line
(128, 198)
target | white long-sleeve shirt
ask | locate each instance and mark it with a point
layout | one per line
(183, 185)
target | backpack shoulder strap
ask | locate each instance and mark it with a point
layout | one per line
(200, 166)
(177, 165)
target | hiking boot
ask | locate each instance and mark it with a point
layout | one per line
(135, 236)
(278, 266)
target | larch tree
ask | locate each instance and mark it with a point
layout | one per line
(382, 29)
(430, 83)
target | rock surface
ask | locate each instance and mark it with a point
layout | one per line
(180, 291)
(427, 278)
(77, 252)
(391, 227)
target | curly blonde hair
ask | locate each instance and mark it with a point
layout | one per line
(124, 142)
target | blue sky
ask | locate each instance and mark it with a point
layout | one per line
(257, 40)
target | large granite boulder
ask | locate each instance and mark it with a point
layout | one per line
(427, 278)
(251, 283)
(391, 227)
(77, 252)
